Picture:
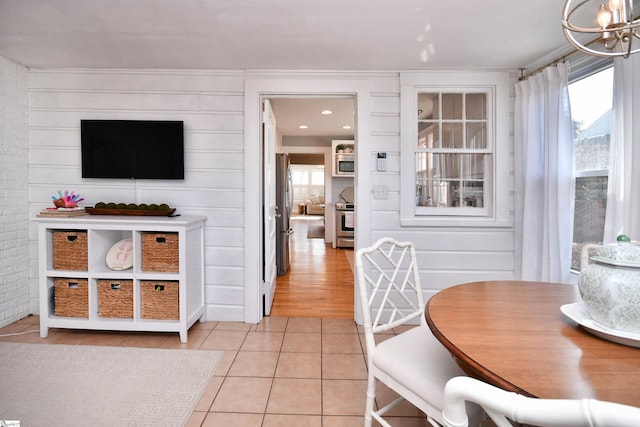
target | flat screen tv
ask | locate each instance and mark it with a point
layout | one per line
(134, 149)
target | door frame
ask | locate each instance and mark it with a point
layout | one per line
(255, 89)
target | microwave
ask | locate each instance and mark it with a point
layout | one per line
(344, 164)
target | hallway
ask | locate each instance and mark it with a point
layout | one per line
(319, 282)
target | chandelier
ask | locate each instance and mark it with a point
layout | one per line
(615, 31)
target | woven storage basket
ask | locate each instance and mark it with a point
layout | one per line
(71, 297)
(115, 298)
(160, 252)
(70, 250)
(160, 300)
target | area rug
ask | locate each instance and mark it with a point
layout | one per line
(315, 231)
(73, 385)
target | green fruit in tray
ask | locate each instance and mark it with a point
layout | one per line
(143, 207)
(153, 207)
(111, 205)
(101, 205)
(163, 207)
(132, 206)
(121, 206)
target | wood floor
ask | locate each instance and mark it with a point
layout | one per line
(319, 282)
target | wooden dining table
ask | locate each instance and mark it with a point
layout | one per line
(512, 334)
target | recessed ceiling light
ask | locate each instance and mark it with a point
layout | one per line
(327, 112)
(346, 127)
(303, 127)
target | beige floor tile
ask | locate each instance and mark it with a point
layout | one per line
(194, 340)
(304, 324)
(254, 364)
(243, 395)
(208, 326)
(263, 341)
(209, 394)
(233, 326)
(295, 342)
(196, 419)
(340, 326)
(272, 324)
(385, 395)
(149, 340)
(278, 420)
(295, 396)
(224, 340)
(341, 343)
(225, 364)
(337, 366)
(299, 365)
(217, 419)
(104, 338)
(343, 397)
(342, 421)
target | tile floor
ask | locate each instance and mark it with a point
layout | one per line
(298, 372)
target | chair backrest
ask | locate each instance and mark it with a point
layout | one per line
(389, 284)
(502, 406)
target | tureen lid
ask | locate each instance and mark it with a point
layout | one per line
(623, 253)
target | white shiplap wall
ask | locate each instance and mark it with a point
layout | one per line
(14, 218)
(211, 106)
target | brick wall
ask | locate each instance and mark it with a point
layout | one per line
(14, 208)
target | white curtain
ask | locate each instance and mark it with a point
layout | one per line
(623, 196)
(544, 185)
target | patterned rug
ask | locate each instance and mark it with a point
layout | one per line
(73, 385)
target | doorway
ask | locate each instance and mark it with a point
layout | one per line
(319, 280)
(256, 88)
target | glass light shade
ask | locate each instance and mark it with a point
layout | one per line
(604, 16)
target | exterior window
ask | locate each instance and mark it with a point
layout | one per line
(456, 150)
(308, 180)
(591, 100)
(452, 152)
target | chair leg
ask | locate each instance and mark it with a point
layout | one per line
(371, 400)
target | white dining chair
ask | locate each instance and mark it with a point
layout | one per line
(503, 406)
(413, 363)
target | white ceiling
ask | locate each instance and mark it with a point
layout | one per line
(350, 35)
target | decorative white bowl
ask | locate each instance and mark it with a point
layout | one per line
(610, 286)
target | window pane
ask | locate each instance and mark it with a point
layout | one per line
(476, 106)
(428, 135)
(317, 177)
(476, 135)
(428, 106)
(591, 102)
(450, 180)
(452, 135)
(452, 106)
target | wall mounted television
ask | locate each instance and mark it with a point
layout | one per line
(134, 149)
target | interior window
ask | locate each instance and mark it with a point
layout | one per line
(591, 111)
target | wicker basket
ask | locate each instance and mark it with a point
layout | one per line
(71, 297)
(70, 250)
(160, 300)
(115, 298)
(160, 252)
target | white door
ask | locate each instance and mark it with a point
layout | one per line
(270, 210)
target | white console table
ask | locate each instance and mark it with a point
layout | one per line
(103, 231)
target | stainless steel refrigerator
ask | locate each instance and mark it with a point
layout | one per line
(284, 200)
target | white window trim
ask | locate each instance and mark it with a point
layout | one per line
(498, 82)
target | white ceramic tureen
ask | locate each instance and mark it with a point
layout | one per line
(610, 285)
